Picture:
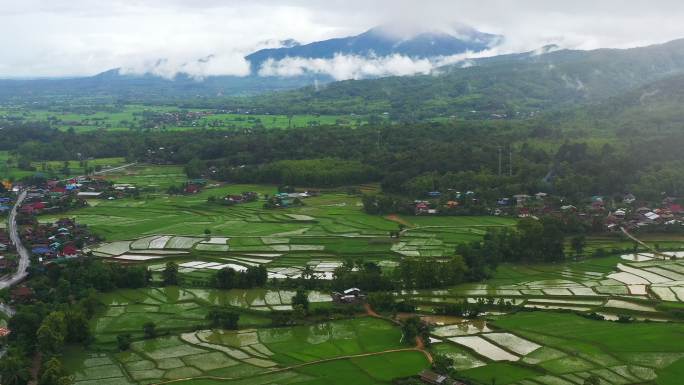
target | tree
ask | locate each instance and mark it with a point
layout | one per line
(223, 318)
(298, 312)
(14, 368)
(226, 278)
(52, 333)
(90, 304)
(77, 327)
(150, 330)
(382, 301)
(170, 274)
(414, 327)
(442, 364)
(194, 168)
(301, 298)
(578, 242)
(308, 277)
(54, 374)
(123, 341)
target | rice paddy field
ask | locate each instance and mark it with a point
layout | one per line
(544, 348)
(177, 309)
(323, 233)
(364, 350)
(545, 341)
(609, 286)
(522, 348)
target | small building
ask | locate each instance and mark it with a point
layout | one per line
(430, 377)
(89, 194)
(22, 294)
(676, 208)
(422, 208)
(628, 199)
(349, 296)
(520, 199)
(192, 189)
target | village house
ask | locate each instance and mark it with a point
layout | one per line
(628, 199)
(21, 294)
(430, 377)
(349, 296)
(245, 197)
(521, 199)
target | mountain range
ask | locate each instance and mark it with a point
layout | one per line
(506, 86)
(382, 41)
(377, 42)
(621, 82)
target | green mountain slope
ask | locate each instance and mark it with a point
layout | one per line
(507, 86)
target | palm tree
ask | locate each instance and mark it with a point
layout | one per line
(13, 369)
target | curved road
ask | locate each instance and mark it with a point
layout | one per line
(24, 260)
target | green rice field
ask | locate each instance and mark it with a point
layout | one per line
(552, 348)
(369, 350)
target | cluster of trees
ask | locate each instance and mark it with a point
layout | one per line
(367, 276)
(424, 273)
(254, 276)
(472, 310)
(530, 241)
(223, 318)
(64, 302)
(414, 327)
(325, 172)
(408, 159)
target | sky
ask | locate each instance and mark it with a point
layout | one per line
(56, 38)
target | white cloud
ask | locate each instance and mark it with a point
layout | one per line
(212, 65)
(84, 37)
(344, 67)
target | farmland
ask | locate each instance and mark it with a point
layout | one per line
(566, 349)
(544, 340)
(139, 117)
(362, 346)
(525, 348)
(323, 233)
(58, 169)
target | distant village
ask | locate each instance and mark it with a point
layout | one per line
(610, 214)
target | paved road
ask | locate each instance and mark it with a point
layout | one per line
(24, 260)
(115, 168)
(635, 239)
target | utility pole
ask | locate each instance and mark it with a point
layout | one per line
(500, 161)
(510, 160)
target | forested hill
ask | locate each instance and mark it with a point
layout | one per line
(510, 86)
(507, 86)
(651, 108)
